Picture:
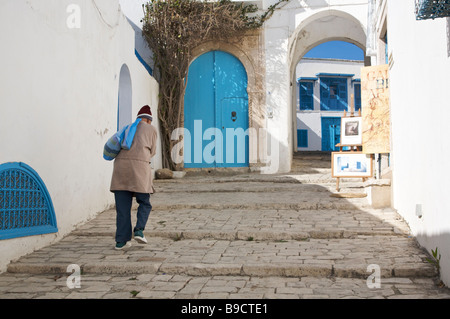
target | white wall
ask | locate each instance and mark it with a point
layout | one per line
(309, 67)
(420, 113)
(59, 97)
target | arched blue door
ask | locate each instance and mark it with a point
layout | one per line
(216, 112)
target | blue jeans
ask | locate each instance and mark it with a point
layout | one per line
(124, 200)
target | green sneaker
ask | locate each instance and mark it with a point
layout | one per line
(122, 245)
(139, 237)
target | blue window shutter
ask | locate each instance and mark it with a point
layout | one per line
(324, 94)
(333, 94)
(302, 138)
(26, 208)
(306, 95)
(342, 95)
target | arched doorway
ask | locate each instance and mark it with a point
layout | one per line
(124, 110)
(216, 112)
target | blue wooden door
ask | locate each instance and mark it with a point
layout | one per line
(331, 133)
(216, 112)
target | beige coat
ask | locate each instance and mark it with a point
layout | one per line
(132, 171)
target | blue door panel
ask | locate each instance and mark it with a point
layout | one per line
(199, 108)
(235, 135)
(331, 133)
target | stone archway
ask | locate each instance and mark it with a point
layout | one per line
(323, 26)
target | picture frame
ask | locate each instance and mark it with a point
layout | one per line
(351, 164)
(351, 131)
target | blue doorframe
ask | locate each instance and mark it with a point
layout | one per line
(216, 112)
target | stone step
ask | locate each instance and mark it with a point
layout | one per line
(258, 183)
(247, 235)
(348, 258)
(257, 224)
(252, 200)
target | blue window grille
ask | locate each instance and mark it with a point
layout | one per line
(26, 208)
(432, 9)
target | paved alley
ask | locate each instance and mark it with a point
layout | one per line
(240, 236)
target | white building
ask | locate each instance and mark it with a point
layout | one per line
(70, 77)
(325, 89)
(417, 49)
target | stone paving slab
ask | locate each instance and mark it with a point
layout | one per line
(166, 286)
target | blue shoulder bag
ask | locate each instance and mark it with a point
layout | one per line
(123, 139)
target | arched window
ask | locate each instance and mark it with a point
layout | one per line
(26, 208)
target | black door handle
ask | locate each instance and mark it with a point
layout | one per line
(233, 116)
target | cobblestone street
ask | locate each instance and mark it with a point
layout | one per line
(240, 236)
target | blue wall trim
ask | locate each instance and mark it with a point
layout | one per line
(305, 78)
(147, 67)
(335, 74)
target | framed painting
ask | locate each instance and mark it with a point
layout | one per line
(351, 164)
(351, 131)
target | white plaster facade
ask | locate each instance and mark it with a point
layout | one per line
(62, 62)
(419, 59)
(311, 119)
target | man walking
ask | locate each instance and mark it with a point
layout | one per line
(132, 177)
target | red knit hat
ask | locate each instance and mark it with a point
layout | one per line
(145, 112)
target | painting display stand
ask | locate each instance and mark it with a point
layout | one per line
(351, 138)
